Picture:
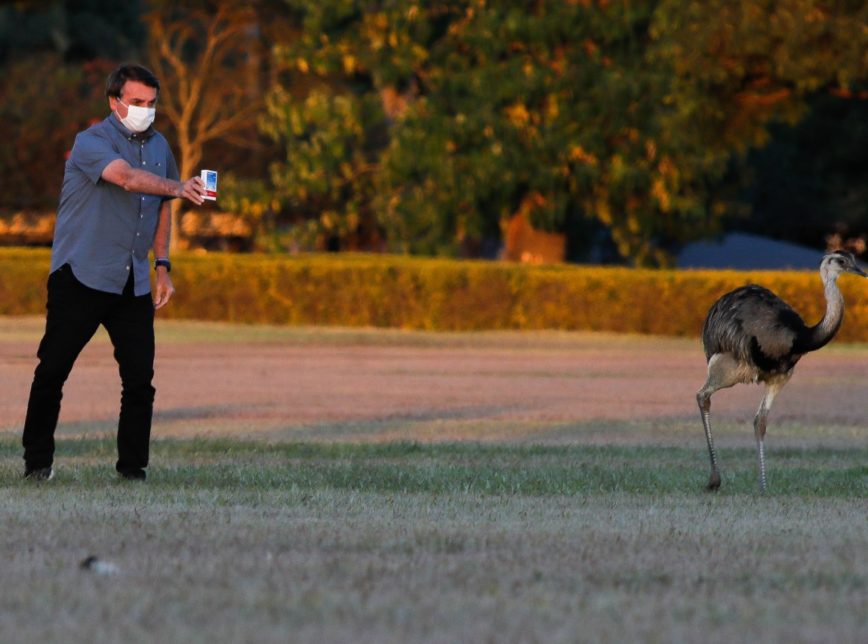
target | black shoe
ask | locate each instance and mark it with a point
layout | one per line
(39, 474)
(133, 475)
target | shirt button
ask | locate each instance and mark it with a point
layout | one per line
(143, 198)
(128, 268)
(144, 163)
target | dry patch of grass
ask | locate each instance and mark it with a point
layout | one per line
(243, 541)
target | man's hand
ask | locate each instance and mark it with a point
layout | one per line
(163, 290)
(193, 190)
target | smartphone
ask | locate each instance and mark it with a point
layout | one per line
(209, 178)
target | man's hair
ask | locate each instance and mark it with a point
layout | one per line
(118, 78)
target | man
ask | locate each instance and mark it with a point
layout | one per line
(114, 207)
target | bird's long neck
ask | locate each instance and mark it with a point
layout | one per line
(825, 329)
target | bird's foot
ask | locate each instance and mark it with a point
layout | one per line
(713, 481)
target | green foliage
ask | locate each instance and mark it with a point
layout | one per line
(252, 201)
(757, 61)
(326, 179)
(783, 72)
(626, 114)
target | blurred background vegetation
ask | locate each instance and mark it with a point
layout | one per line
(622, 129)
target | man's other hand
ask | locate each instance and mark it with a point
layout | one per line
(163, 290)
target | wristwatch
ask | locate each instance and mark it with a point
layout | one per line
(163, 262)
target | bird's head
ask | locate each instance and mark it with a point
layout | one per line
(838, 262)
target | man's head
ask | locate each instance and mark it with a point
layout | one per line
(118, 79)
(136, 87)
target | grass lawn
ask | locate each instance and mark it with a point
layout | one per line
(234, 540)
(322, 485)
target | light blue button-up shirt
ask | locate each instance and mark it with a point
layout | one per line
(103, 232)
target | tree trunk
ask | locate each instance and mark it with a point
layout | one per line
(189, 161)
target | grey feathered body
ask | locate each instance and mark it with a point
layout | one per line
(758, 329)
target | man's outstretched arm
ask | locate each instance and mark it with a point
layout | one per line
(122, 174)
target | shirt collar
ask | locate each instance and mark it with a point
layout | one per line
(132, 136)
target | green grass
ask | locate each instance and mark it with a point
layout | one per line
(414, 468)
(234, 540)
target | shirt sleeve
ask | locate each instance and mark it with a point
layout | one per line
(91, 154)
(171, 169)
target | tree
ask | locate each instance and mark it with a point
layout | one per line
(627, 114)
(331, 128)
(37, 133)
(549, 110)
(207, 60)
(326, 179)
(782, 84)
(54, 61)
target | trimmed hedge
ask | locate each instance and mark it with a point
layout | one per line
(445, 295)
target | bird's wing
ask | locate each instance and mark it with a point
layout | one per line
(756, 326)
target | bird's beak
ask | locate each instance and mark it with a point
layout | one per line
(858, 271)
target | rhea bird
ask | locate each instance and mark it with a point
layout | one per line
(751, 335)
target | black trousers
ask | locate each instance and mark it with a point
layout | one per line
(74, 313)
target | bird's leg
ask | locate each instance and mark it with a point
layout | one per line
(759, 426)
(722, 372)
(703, 398)
(759, 430)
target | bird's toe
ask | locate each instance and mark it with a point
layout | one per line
(713, 482)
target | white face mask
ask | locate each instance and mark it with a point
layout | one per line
(138, 119)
